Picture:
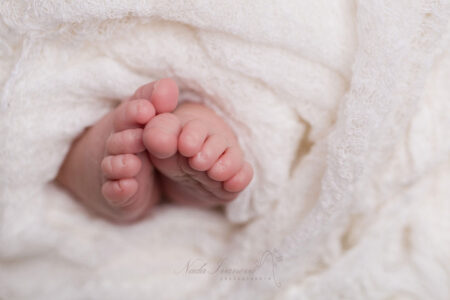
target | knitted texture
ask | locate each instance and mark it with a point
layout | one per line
(342, 108)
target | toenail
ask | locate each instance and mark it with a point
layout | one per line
(110, 164)
(117, 186)
(202, 157)
(155, 85)
(190, 139)
(220, 166)
(141, 107)
(135, 109)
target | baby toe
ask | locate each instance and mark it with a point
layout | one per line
(165, 95)
(132, 114)
(227, 165)
(212, 149)
(144, 91)
(192, 137)
(121, 166)
(161, 135)
(127, 141)
(239, 181)
(119, 192)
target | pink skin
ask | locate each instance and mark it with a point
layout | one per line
(111, 167)
(198, 156)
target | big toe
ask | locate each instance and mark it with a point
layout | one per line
(163, 94)
(161, 135)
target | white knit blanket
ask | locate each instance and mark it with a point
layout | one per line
(341, 106)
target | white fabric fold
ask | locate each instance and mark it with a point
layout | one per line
(342, 108)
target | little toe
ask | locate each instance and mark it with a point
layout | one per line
(126, 141)
(121, 166)
(239, 181)
(132, 114)
(192, 137)
(227, 165)
(212, 149)
(161, 135)
(119, 192)
(162, 93)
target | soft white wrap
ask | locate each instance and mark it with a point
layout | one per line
(342, 107)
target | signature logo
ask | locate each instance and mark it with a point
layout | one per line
(224, 270)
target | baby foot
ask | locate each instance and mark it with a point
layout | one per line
(108, 167)
(130, 182)
(198, 156)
